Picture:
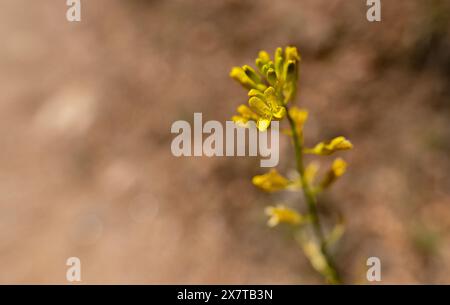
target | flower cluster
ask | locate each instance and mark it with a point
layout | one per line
(271, 87)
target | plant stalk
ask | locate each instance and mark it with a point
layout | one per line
(311, 201)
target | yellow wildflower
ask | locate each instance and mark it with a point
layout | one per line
(266, 106)
(282, 214)
(339, 143)
(271, 87)
(271, 181)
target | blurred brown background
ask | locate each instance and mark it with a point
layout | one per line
(85, 162)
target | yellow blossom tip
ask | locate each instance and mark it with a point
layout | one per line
(255, 92)
(264, 56)
(248, 82)
(338, 167)
(281, 214)
(271, 181)
(323, 148)
(291, 53)
(262, 124)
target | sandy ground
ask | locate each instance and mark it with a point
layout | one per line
(85, 162)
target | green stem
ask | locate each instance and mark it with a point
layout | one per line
(311, 202)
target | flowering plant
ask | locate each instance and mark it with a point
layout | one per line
(271, 90)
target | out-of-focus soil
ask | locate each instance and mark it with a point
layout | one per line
(85, 163)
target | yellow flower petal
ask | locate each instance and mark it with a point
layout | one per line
(262, 124)
(279, 112)
(277, 109)
(239, 120)
(282, 214)
(245, 114)
(266, 106)
(260, 107)
(271, 181)
(340, 143)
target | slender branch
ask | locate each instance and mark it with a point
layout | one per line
(311, 201)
